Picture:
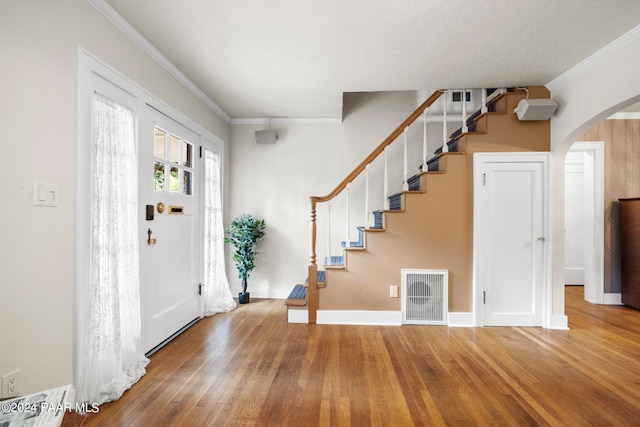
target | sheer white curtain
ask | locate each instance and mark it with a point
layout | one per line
(110, 360)
(217, 294)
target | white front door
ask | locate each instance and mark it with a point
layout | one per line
(510, 200)
(170, 229)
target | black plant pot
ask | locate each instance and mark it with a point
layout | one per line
(243, 298)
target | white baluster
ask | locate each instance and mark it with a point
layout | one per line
(465, 128)
(445, 134)
(329, 229)
(386, 179)
(367, 221)
(484, 101)
(425, 168)
(347, 243)
(405, 185)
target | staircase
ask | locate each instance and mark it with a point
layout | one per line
(429, 224)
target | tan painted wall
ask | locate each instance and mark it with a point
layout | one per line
(435, 230)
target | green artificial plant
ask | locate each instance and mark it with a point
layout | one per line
(244, 233)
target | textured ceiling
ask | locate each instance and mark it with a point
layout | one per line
(285, 58)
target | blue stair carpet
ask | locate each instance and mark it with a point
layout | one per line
(358, 243)
(395, 202)
(414, 183)
(320, 277)
(334, 260)
(298, 296)
(377, 219)
(433, 165)
(298, 292)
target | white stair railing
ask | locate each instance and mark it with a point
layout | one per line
(464, 128)
(425, 154)
(347, 242)
(484, 107)
(367, 214)
(445, 133)
(364, 168)
(405, 183)
(329, 229)
(385, 191)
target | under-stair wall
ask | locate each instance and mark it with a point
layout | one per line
(434, 228)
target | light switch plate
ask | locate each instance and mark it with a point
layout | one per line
(45, 194)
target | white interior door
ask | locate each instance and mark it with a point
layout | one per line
(584, 204)
(574, 216)
(170, 242)
(510, 199)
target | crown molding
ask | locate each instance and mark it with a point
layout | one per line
(116, 19)
(287, 121)
(609, 49)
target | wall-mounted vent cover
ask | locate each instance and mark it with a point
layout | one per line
(425, 296)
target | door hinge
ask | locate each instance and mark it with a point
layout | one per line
(201, 151)
(484, 179)
(200, 285)
(484, 297)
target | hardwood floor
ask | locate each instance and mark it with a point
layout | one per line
(250, 367)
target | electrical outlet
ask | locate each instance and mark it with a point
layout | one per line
(11, 384)
(393, 291)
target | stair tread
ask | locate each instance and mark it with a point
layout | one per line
(334, 261)
(297, 297)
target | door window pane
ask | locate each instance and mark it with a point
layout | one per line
(174, 179)
(187, 150)
(158, 176)
(158, 143)
(186, 182)
(174, 143)
(173, 164)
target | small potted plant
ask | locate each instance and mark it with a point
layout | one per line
(244, 233)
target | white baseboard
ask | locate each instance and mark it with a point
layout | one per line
(295, 315)
(559, 322)
(359, 317)
(461, 320)
(612, 299)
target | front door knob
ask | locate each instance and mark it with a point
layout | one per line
(150, 241)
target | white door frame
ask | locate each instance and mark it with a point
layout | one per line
(479, 237)
(593, 219)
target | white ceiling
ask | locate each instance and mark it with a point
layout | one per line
(295, 58)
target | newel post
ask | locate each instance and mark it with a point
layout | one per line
(312, 284)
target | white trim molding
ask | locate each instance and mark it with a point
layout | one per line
(287, 121)
(461, 320)
(612, 299)
(625, 115)
(296, 315)
(359, 317)
(559, 322)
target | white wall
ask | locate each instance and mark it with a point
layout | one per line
(587, 94)
(274, 182)
(38, 42)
